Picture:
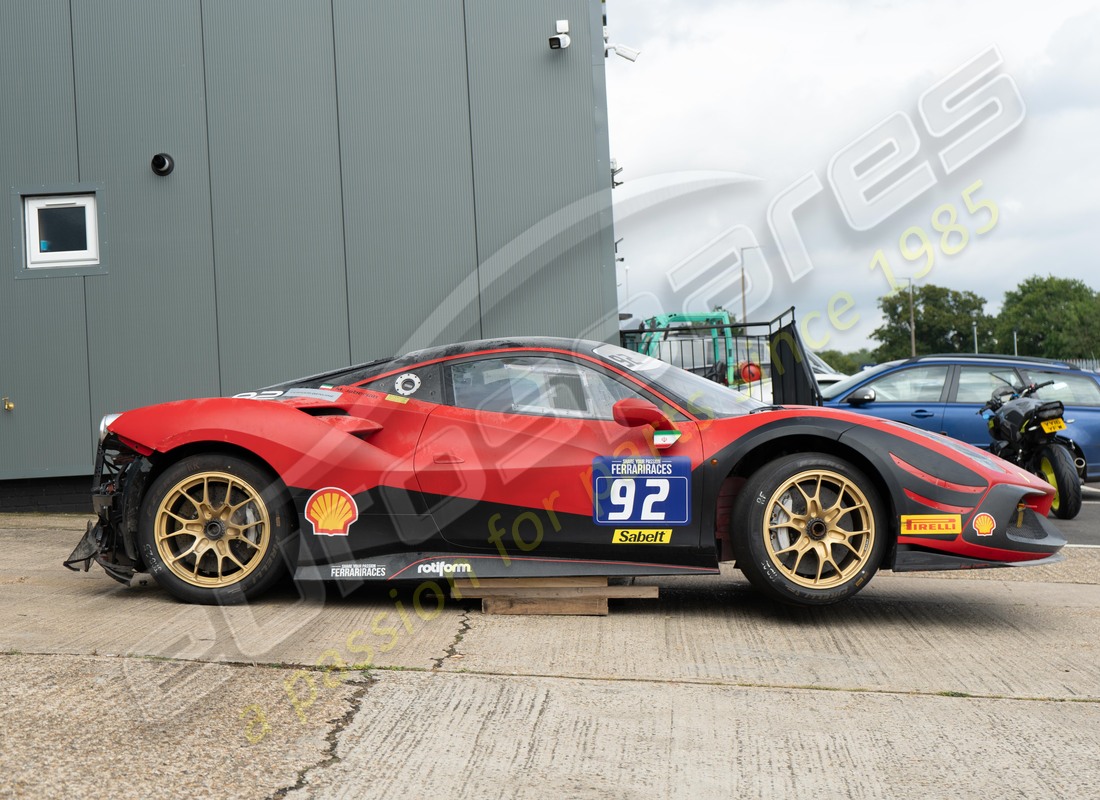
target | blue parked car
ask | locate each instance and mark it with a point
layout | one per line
(943, 394)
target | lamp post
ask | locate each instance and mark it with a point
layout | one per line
(912, 322)
(975, 324)
(744, 313)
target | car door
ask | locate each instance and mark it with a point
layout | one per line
(973, 386)
(1080, 394)
(912, 394)
(507, 465)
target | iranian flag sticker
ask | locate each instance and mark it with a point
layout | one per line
(665, 438)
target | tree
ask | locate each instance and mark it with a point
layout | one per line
(944, 322)
(1051, 317)
(847, 363)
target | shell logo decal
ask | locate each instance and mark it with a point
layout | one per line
(331, 511)
(984, 524)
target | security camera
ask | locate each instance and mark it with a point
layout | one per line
(559, 41)
(629, 53)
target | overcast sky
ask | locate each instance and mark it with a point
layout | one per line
(732, 103)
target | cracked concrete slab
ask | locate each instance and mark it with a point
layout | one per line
(931, 685)
(92, 726)
(486, 737)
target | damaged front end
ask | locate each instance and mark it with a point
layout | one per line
(121, 474)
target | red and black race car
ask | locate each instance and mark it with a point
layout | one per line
(540, 457)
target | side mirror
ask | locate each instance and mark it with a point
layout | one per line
(633, 412)
(861, 396)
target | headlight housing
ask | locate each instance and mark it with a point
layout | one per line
(104, 424)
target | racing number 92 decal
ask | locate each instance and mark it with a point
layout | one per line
(641, 491)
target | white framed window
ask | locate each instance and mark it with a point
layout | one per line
(61, 231)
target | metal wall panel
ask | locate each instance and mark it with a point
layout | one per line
(541, 172)
(43, 344)
(275, 180)
(151, 318)
(407, 175)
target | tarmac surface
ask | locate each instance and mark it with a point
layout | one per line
(922, 686)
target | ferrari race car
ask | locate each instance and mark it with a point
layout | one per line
(540, 457)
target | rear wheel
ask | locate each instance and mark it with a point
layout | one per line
(210, 529)
(809, 529)
(1056, 468)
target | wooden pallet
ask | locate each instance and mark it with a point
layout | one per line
(585, 596)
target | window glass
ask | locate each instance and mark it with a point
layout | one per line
(1072, 390)
(61, 231)
(977, 384)
(921, 384)
(536, 385)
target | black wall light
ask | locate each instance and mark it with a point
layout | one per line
(162, 164)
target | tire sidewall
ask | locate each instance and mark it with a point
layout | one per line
(1066, 480)
(752, 554)
(272, 563)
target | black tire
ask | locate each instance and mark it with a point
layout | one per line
(809, 529)
(1055, 466)
(212, 529)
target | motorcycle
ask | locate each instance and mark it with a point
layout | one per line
(1025, 431)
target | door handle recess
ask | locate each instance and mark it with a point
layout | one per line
(922, 414)
(447, 458)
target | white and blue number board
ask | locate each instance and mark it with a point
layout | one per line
(641, 491)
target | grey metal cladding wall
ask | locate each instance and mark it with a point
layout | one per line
(151, 318)
(43, 360)
(541, 180)
(407, 175)
(275, 181)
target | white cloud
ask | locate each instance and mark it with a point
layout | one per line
(775, 89)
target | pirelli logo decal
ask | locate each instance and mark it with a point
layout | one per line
(635, 536)
(931, 524)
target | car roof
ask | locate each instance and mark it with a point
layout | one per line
(445, 351)
(980, 357)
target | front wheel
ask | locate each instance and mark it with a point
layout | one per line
(210, 529)
(1055, 466)
(809, 529)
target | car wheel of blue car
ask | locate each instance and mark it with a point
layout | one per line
(809, 529)
(211, 527)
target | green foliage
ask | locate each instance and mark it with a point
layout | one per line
(847, 363)
(1052, 318)
(944, 323)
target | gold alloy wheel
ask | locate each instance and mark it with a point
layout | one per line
(820, 530)
(212, 529)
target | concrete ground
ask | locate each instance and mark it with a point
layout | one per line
(923, 686)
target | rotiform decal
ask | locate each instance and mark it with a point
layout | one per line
(443, 568)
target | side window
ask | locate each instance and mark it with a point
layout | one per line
(416, 383)
(977, 384)
(536, 385)
(922, 384)
(1072, 390)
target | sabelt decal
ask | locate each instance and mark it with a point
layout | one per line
(331, 511)
(931, 524)
(984, 524)
(635, 536)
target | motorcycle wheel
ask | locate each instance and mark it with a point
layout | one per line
(1055, 466)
